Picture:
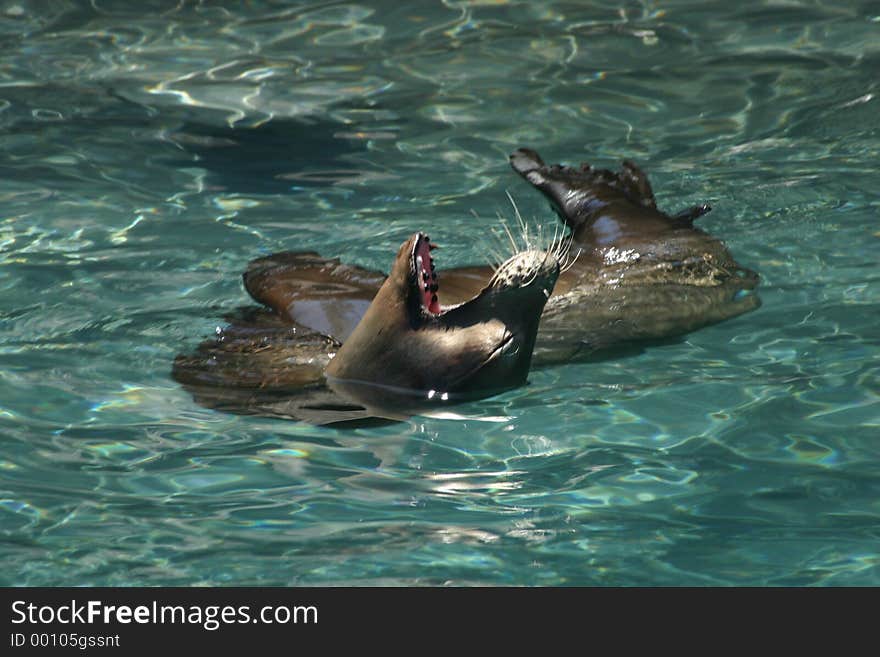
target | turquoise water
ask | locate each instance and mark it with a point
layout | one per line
(148, 151)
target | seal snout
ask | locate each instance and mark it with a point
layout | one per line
(527, 267)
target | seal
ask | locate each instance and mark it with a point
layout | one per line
(640, 275)
(338, 343)
(406, 340)
(406, 354)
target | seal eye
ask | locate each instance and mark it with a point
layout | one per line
(425, 270)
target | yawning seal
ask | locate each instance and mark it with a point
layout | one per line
(407, 352)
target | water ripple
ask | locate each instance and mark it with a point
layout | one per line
(149, 153)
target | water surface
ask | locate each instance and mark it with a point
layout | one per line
(149, 150)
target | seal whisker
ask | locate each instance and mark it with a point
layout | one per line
(495, 252)
(571, 259)
(495, 258)
(500, 248)
(539, 244)
(516, 249)
(524, 227)
(532, 236)
(556, 244)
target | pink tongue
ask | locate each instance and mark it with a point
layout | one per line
(427, 277)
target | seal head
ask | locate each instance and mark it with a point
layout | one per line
(408, 341)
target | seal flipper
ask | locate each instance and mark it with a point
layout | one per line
(257, 350)
(529, 165)
(262, 365)
(576, 194)
(558, 184)
(318, 293)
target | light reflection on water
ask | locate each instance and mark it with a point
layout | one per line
(149, 153)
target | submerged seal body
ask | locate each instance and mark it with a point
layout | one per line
(406, 353)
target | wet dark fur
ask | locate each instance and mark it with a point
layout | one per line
(642, 276)
(398, 359)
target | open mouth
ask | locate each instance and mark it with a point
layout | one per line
(425, 275)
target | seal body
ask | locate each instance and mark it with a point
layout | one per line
(407, 340)
(641, 274)
(407, 353)
(341, 343)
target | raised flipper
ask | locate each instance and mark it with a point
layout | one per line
(318, 293)
(576, 194)
(260, 364)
